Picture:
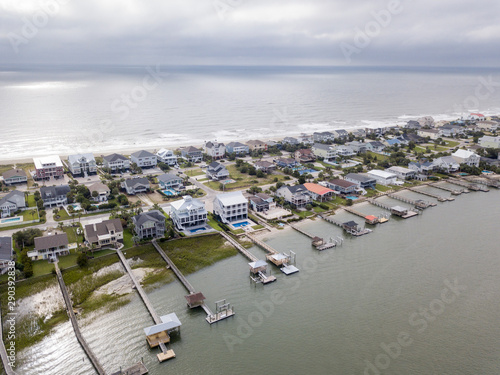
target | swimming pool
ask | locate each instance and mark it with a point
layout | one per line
(10, 220)
(196, 230)
(169, 192)
(305, 171)
(351, 197)
(242, 224)
(76, 206)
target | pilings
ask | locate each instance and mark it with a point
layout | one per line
(81, 340)
(452, 191)
(378, 204)
(438, 197)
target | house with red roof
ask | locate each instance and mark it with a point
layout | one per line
(318, 192)
(476, 117)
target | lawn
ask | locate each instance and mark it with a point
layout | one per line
(5, 167)
(244, 180)
(303, 214)
(194, 172)
(379, 157)
(452, 143)
(27, 215)
(370, 193)
(72, 236)
(63, 215)
(127, 238)
(31, 200)
(383, 188)
(213, 223)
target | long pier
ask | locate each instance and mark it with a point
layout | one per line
(452, 191)
(71, 314)
(378, 204)
(3, 352)
(438, 197)
(317, 242)
(467, 185)
(417, 203)
(241, 249)
(262, 244)
(489, 182)
(354, 232)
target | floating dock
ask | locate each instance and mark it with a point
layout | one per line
(318, 242)
(394, 210)
(438, 197)
(281, 260)
(420, 204)
(350, 227)
(188, 286)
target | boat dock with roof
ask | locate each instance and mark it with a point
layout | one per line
(284, 261)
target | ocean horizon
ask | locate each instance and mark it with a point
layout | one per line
(101, 109)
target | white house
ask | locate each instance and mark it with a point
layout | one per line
(48, 167)
(431, 133)
(231, 207)
(169, 180)
(54, 195)
(342, 150)
(237, 148)
(149, 224)
(82, 164)
(375, 146)
(166, 156)
(188, 213)
(116, 162)
(144, 159)
(14, 176)
(486, 142)
(402, 173)
(326, 152)
(466, 157)
(215, 149)
(298, 195)
(446, 163)
(476, 117)
(383, 177)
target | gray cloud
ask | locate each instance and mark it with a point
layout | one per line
(445, 32)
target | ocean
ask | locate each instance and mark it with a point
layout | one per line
(65, 110)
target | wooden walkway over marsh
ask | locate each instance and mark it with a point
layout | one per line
(3, 352)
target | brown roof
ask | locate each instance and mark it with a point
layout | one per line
(92, 231)
(99, 187)
(342, 183)
(195, 298)
(14, 172)
(305, 151)
(47, 242)
(263, 164)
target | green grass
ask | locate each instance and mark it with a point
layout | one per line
(237, 231)
(303, 214)
(370, 193)
(194, 253)
(244, 180)
(27, 215)
(31, 200)
(382, 188)
(127, 238)
(72, 236)
(194, 172)
(5, 167)
(63, 215)
(318, 209)
(451, 143)
(258, 226)
(213, 223)
(379, 156)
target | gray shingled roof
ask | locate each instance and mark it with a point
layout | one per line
(5, 248)
(48, 242)
(143, 217)
(100, 229)
(54, 191)
(132, 182)
(14, 173)
(114, 157)
(142, 154)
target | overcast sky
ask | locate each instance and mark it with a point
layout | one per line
(257, 32)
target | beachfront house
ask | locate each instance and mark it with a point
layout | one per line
(116, 162)
(14, 176)
(101, 190)
(47, 167)
(54, 195)
(169, 181)
(290, 141)
(306, 139)
(6, 252)
(323, 136)
(192, 154)
(412, 124)
(304, 155)
(216, 150)
(261, 202)
(446, 164)
(298, 196)
(264, 166)
(357, 147)
(149, 224)
(237, 148)
(383, 177)
(375, 146)
(12, 202)
(166, 156)
(256, 145)
(286, 163)
(50, 247)
(326, 152)
(107, 233)
(486, 142)
(402, 173)
(82, 164)
(362, 180)
(188, 213)
(466, 157)
(342, 186)
(318, 192)
(144, 159)
(136, 185)
(476, 117)
(216, 171)
(231, 207)
(340, 133)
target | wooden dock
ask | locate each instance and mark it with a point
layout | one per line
(390, 209)
(318, 242)
(3, 351)
(137, 369)
(420, 204)
(369, 219)
(438, 197)
(353, 232)
(69, 308)
(452, 191)
(281, 260)
(467, 185)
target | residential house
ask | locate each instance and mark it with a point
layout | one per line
(286, 162)
(108, 233)
(50, 247)
(231, 207)
(298, 196)
(192, 154)
(264, 166)
(488, 125)
(215, 149)
(466, 157)
(343, 150)
(14, 176)
(149, 224)
(326, 152)
(216, 171)
(256, 145)
(12, 202)
(102, 190)
(290, 141)
(486, 142)
(82, 164)
(422, 167)
(116, 162)
(6, 252)
(306, 139)
(383, 177)
(446, 163)
(318, 192)
(359, 132)
(402, 173)
(136, 185)
(304, 155)
(392, 142)
(169, 181)
(412, 124)
(144, 159)
(449, 130)
(262, 202)
(54, 195)
(340, 133)
(323, 136)
(426, 121)
(48, 167)
(476, 117)
(188, 213)
(342, 186)
(166, 156)
(375, 146)
(410, 137)
(376, 131)
(237, 148)
(431, 133)
(357, 147)
(362, 180)
(271, 143)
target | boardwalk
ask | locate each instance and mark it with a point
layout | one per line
(438, 197)
(240, 248)
(3, 352)
(262, 244)
(417, 203)
(81, 340)
(452, 191)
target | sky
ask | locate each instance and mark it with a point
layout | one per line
(251, 32)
